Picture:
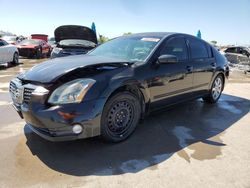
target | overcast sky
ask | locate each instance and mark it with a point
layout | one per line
(226, 21)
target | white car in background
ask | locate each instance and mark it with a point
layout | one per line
(10, 39)
(8, 53)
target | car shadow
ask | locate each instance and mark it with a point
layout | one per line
(2, 67)
(194, 126)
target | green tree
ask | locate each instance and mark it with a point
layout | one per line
(102, 39)
(128, 33)
(214, 42)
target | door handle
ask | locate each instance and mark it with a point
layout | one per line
(189, 69)
(213, 65)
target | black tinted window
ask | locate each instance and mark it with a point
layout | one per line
(2, 43)
(177, 47)
(198, 49)
(231, 50)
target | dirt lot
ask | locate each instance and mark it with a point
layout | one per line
(191, 145)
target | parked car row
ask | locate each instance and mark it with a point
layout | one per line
(13, 39)
(67, 40)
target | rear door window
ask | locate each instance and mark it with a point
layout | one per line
(231, 50)
(198, 49)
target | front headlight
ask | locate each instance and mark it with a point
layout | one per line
(71, 92)
(57, 50)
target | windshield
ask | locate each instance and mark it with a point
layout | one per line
(76, 42)
(127, 48)
(29, 41)
(52, 39)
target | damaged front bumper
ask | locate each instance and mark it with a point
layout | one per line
(56, 123)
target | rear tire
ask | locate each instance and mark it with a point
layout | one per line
(120, 117)
(215, 91)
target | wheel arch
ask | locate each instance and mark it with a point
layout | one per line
(136, 89)
(224, 77)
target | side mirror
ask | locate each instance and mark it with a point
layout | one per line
(167, 59)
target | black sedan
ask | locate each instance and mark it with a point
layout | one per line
(109, 90)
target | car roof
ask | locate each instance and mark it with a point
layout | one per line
(160, 35)
(237, 47)
(153, 34)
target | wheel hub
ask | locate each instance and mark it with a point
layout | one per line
(217, 88)
(120, 116)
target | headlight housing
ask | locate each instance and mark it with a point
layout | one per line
(71, 92)
(57, 50)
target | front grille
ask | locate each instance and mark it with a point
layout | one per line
(15, 91)
(27, 94)
(13, 88)
(21, 93)
(25, 51)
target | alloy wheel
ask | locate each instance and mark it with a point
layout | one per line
(217, 88)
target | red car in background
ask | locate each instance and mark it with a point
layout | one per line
(34, 48)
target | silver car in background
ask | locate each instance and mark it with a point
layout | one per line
(238, 55)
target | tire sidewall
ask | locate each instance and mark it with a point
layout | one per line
(105, 132)
(38, 53)
(211, 91)
(15, 59)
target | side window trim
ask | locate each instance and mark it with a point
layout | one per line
(188, 48)
(209, 51)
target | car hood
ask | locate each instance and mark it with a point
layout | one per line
(75, 32)
(27, 46)
(50, 71)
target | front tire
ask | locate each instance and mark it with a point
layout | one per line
(215, 91)
(120, 117)
(48, 54)
(39, 53)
